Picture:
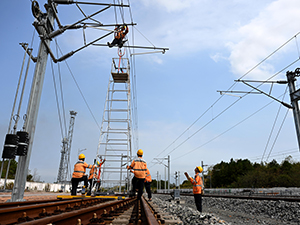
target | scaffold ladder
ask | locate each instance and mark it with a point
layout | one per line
(115, 134)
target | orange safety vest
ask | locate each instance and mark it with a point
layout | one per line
(197, 184)
(148, 176)
(120, 34)
(93, 171)
(80, 168)
(139, 167)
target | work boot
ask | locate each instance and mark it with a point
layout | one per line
(83, 190)
(109, 45)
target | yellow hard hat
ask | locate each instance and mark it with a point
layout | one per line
(200, 169)
(98, 163)
(81, 156)
(140, 152)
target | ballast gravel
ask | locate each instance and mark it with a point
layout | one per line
(230, 211)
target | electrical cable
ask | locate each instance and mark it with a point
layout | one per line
(289, 151)
(57, 103)
(61, 91)
(278, 134)
(280, 106)
(231, 87)
(224, 131)
(222, 113)
(82, 95)
(269, 55)
(134, 85)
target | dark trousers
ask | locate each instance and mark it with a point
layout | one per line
(138, 183)
(75, 182)
(148, 189)
(198, 201)
(92, 183)
(118, 42)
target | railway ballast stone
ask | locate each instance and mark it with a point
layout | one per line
(232, 211)
(186, 214)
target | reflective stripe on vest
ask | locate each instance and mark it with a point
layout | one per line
(139, 166)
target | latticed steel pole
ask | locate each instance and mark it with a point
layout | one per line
(33, 108)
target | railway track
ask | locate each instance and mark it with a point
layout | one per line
(80, 211)
(249, 197)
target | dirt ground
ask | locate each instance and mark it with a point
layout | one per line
(30, 196)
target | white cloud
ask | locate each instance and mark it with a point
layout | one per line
(217, 57)
(261, 36)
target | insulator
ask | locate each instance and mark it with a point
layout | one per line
(23, 143)
(10, 146)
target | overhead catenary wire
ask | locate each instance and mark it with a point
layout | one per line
(223, 112)
(61, 91)
(134, 89)
(57, 102)
(186, 153)
(230, 89)
(79, 89)
(276, 118)
(288, 151)
(278, 134)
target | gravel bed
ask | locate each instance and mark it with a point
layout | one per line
(184, 212)
(231, 211)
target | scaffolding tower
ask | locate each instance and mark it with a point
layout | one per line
(115, 134)
(65, 152)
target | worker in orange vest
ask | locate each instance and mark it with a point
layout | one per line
(93, 178)
(120, 33)
(79, 174)
(138, 167)
(148, 181)
(197, 186)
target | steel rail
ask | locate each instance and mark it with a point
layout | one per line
(11, 215)
(249, 197)
(7, 205)
(83, 215)
(148, 213)
(80, 211)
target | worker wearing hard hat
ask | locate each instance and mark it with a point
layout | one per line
(138, 167)
(79, 174)
(120, 33)
(93, 178)
(197, 186)
(148, 181)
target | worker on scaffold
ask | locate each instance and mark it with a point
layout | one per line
(138, 167)
(93, 178)
(79, 174)
(120, 33)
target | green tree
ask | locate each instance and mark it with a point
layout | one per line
(12, 168)
(186, 185)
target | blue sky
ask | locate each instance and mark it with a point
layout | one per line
(212, 43)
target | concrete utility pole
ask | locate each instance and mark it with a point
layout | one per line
(295, 97)
(202, 165)
(160, 160)
(44, 24)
